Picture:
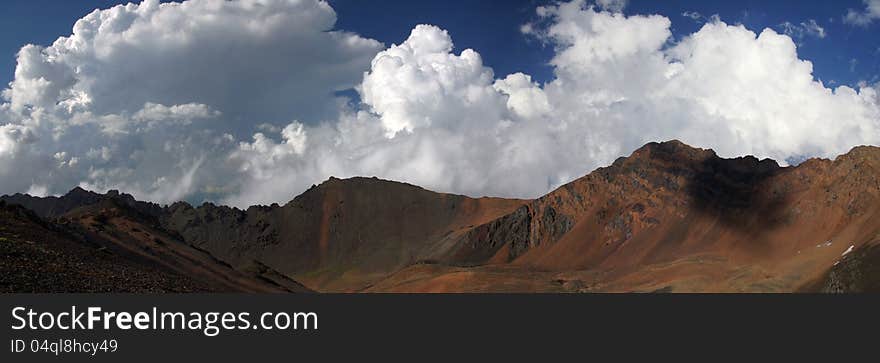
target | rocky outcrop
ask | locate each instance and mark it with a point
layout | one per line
(857, 271)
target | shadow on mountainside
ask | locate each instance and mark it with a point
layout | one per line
(740, 192)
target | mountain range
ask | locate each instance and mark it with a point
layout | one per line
(668, 218)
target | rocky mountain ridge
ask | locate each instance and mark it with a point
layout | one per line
(669, 217)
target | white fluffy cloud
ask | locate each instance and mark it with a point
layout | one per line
(723, 87)
(419, 83)
(12, 137)
(430, 114)
(866, 16)
(265, 59)
(137, 81)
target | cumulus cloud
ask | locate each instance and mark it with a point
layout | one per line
(863, 17)
(524, 97)
(12, 137)
(723, 87)
(430, 114)
(136, 80)
(419, 83)
(270, 60)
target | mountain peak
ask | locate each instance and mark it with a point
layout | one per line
(79, 192)
(863, 152)
(672, 149)
(363, 182)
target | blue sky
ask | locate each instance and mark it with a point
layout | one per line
(848, 54)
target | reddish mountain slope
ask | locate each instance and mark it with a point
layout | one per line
(667, 218)
(677, 218)
(342, 235)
